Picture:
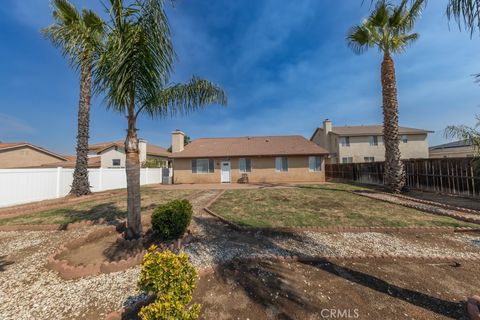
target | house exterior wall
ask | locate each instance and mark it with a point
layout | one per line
(459, 152)
(108, 155)
(263, 171)
(415, 148)
(23, 157)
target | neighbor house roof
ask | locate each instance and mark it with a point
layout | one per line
(151, 148)
(370, 130)
(249, 146)
(93, 162)
(15, 145)
(455, 144)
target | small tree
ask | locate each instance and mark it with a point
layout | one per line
(471, 135)
(133, 73)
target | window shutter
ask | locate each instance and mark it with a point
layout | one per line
(211, 166)
(194, 166)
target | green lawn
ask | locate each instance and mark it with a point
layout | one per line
(320, 205)
(113, 208)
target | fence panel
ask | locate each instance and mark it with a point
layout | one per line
(452, 175)
(19, 186)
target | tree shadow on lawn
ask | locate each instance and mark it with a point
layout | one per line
(247, 275)
(4, 263)
(104, 213)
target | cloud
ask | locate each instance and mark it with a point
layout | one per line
(12, 128)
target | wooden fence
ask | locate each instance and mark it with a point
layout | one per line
(452, 175)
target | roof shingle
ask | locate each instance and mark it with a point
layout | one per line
(250, 146)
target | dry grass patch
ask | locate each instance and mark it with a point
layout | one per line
(323, 206)
(109, 209)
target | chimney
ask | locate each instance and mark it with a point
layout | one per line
(177, 141)
(327, 126)
(142, 150)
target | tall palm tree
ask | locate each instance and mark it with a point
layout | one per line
(79, 35)
(388, 28)
(133, 73)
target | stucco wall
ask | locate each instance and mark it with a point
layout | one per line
(460, 152)
(25, 157)
(108, 155)
(263, 170)
(415, 148)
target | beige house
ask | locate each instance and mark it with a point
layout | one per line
(269, 159)
(457, 149)
(112, 154)
(26, 155)
(356, 144)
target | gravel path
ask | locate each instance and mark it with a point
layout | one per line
(28, 290)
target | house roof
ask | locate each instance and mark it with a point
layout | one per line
(93, 162)
(249, 146)
(370, 130)
(15, 145)
(151, 148)
(455, 144)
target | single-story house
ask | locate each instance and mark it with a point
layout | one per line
(26, 155)
(266, 159)
(93, 163)
(112, 154)
(456, 149)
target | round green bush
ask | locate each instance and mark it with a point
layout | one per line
(171, 220)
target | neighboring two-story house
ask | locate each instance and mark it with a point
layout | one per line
(112, 154)
(354, 144)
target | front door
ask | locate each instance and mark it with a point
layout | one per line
(225, 175)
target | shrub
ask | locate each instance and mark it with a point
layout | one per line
(172, 279)
(172, 219)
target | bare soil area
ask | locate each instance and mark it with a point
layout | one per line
(371, 290)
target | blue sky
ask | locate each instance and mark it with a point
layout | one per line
(284, 65)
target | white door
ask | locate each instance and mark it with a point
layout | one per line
(225, 175)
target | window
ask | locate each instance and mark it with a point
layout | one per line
(404, 138)
(374, 141)
(245, 165)
(116, 162)
(347, 160)
(314, 164)
(345, 141)
(203, 166)
(281, 164)
(369, 159)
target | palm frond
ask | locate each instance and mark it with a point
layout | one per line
(185, 98)
(466, 13)
(401, 42)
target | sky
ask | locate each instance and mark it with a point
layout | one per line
(284, 65)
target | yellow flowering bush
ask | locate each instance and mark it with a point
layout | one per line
(172, 279)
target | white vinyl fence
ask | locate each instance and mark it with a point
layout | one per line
(19, 186)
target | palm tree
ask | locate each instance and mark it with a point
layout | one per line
(471, 135)
(133, 73)
(79, 35)
(388, 29)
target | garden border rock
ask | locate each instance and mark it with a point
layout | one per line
(68, 271)
(442, 230)
(50, 227)
(473, 307)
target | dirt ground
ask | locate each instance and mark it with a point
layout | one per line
(464, 202)
(361, 290)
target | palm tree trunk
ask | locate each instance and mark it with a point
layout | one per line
(134, 222)
(394, 171)
(81, 185)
